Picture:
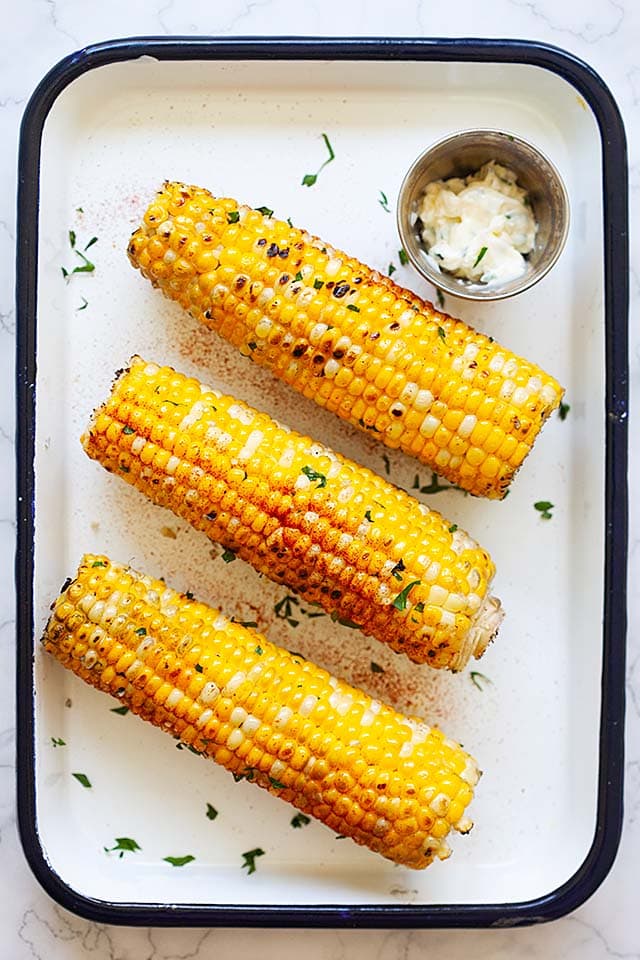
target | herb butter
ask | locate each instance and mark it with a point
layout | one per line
(480, 228)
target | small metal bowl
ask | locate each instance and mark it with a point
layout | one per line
(460, 155)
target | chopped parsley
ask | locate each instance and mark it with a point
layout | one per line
(367, 516)
(252, 345)
(179, 861)
(344, 622)
(228, 556)
(419, 607)
(199, 668)
(121, 711)
(211, 515)
(79, 210)
(265, 211)
(248, 774)
(298, 276)
(72, 239)
(284, 610)
(435, 486)
(245, 623)
(400, 602)
(314, 475)
(212, 813)
(300, 820)
(481, 254)
(391, 269)
(141, 631)
(127, 430)
(124, 468)
(402, 255)
(58, 742)
(249, 859)
(477, 679)
(440, 298)
(258, 650)
(233, 216)
(397, 570)
(353, 308)
(453, 528)
(384, 203)
(123, 845)
(86, 266)
(98, 563)
(441, 333)
(376, 668)
(310, 178)
(387, 464)
(563, 410)
(544, 508)
(289, 222)
(317, 283)
(83, 306)
(277, 784)
(83, 779)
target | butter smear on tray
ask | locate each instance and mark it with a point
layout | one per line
(480, 228)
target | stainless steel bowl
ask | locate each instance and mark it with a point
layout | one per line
(462, 154)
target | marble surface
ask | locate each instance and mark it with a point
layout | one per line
(36, 34)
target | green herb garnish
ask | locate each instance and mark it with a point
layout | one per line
(265, 211)
(228, 556)
(298, 276)
(249, 774)
(212, 813)
(83, 306)
(419, 607)
(544, 508)
(344, 622)
(82, 778)
(121, 711)
(483, 250)
(300, 820)
(310, 178)
(400, 602)
(563, 410)
(477, 677)
(58, 742)
(250, 859)
(127, 430)
(352, 306)
(384, 203)
(387, 464)
(233, 216)
(404, 259)
(440, 298)
(179, 861)
(289, 222)
(141, 631)
(98, 563)
(258, 650)
(391, 269)
(277, 784)
(317, 283)
(441, 333)
(123, 845)
(453, 528)
(314, 475)
(367, 516)
(199, 668)
(283, 609)
(397, 570)
(376, 668)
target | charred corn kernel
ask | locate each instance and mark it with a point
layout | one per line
(264, 714)
(318, 319)
(301, 514)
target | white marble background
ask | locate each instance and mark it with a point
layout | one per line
(37, 33)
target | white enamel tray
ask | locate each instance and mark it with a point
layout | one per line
(245, 119)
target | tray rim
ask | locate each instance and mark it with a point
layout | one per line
(602, 852)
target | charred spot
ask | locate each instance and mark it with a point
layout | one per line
(273, 250)
(155, 481)
(516, 423)
(336, 594)
(330, 285)
(374, 336)
(473, 365)
(240, 282)
(284, 253)
(318, 358)
(284, 279)
(381, 786)
(341, 290)
(66, 584)
(207, 238)
(358, 280)
(394, 326)
(431, 653)
(261, 242)
(296, 263)
(295, 290)
(338, 354)
(300, 350)
(299, 246)
(207, 314)
(396, 412)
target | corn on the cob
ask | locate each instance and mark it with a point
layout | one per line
(300, 514)
(347, 336)
(387, 781)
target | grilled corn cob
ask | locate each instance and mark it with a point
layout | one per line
(389, 782)
(347, 337)
(302, 515)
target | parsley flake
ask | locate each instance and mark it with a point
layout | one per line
(563, 410)
(400, 602)
(440, 298)
(233, 216)
(258, 650)
(98, 563)
(212, 813)
(123, 845)
(367, 516)
(353, 308)
(314, 475)
(300, 820)
(277, 784)
(141, 631)
(310, 178)
(121, 711)
(199, 668)
(250, 859)
(402, 255)
(384, 203)
(289, 222)
(344, 622)
(397, 570)
(82, 778)
(391, 269)
(376, 668)
(441, 333)
(228, 556)
(387, 464)
(265, 211)
(298, 276)
(84, 305)
(179, 861)
(544, 508)
(453, 528)
(58, 742)
(317, 283)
